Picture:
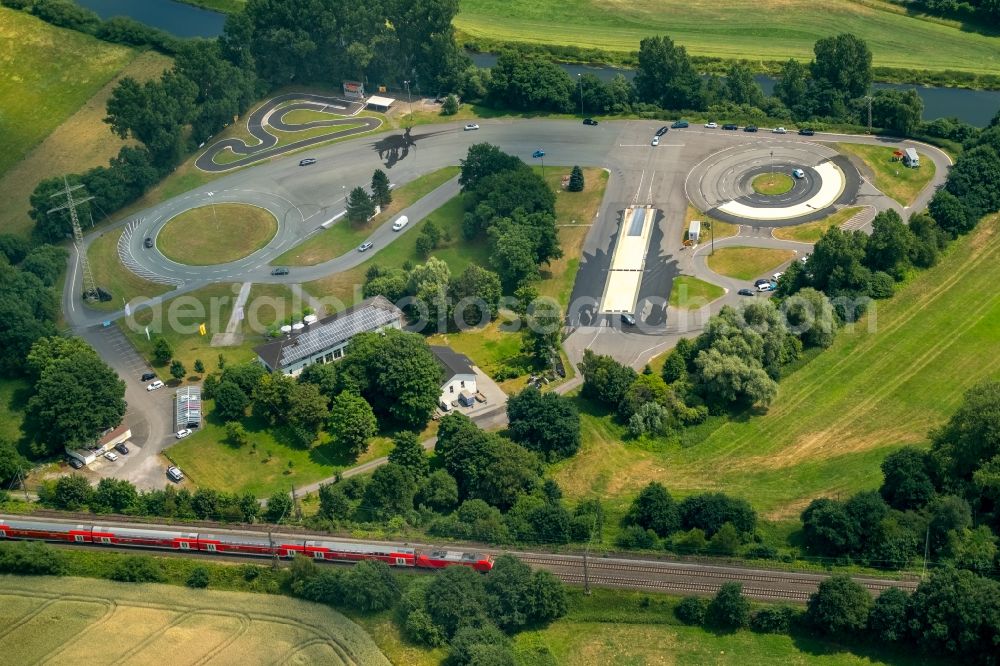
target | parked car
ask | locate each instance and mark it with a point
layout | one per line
(182, 433)
(121, 448)
(761, 281)
(805, 131)
(712, 125)
(538, 153)
(678, 124)
(307, 161)
(777, 276)
(804, 258)
(400, 223)
(75, 463)
(655, 141)
(730, 126)
(155, 385)
(146, 376)
(745, 292)
(470, 127)
(148, 243)
(367, 245)
(663, 130)
(175, 474)
(589, 121)
(750, 128)
(780, 130)
(279, 271)
(765, 287)
(628, 319)
(110, 455)
(799, 173)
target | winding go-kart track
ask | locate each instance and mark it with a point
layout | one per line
(712, 168)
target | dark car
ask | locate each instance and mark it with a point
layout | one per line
(538, 153)
(367, 245)
(75, 463)
(146, 376)
(279, 271)
(663, 130)
(307, 161)
(589, 121)
(679, 123)
(730, 126)
(806, 131)
(148, 242)
(745, 292)
(750, 128)
(761, 281)
(121, 448)
(628, 320)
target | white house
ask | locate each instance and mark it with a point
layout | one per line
(326, 340)
(459, 378)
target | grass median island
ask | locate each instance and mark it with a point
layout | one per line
(690, 293)
(216, 234)
(892, 178)
(772, 184)
(810, 232)
(110, 274)
(746, 263)
(343, 237)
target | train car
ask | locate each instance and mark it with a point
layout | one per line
(256, 546)
(39, 531)
(356, 552)
(136, 538)
(438, 559)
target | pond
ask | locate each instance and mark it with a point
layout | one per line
(177, 18)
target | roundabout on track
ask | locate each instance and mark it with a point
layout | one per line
(216, 234)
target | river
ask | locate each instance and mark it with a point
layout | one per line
(975, 107)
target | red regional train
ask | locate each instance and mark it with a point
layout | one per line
(239, 544)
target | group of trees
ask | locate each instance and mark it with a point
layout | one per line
(973, 186)
(28, 303)
(361, 205)
(985, 11)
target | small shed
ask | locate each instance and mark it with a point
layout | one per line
(910, 158)
(379, 103)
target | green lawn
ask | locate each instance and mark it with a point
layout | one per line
(14, 395)
(216, 234)
(884, 383)
(343, 237)
(772, 184)
(746, 263)
(810, 232)
(111, 274)
(709, 226)
(743, 29)
(690, 293)
(285, 138)
(46, 74)
(894, 179)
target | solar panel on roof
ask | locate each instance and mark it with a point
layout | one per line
(341, 329)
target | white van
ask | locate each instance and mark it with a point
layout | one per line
(400, 223)
(175, 474)
(911, 159)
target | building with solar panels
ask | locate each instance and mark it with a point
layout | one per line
(325, 340)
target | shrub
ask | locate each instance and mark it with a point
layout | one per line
(198, 578)
(728, 610)
(137, 569)
(31, 559)
(773, 620)
(691, 610)
(635, 536)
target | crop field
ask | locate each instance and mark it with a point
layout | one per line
(81, 620)
(46, 74)
(740, 29)
(884, 383)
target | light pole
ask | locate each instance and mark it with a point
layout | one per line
(409, 102)
(211, 195)
(579, 79)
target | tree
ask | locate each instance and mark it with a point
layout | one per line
(654, 509)
(828, 529)
(230, 401)
(162, 351)
(333, 503)
(450, 105)
(352, 422)
(198, 578)
(482, 160)
(390, 492)
(844, 64)
(237, 433)
(177, 369)
(76, 399)
(950, 213)
(477, 293)
(954, 613)
(279, 507)
(728, 610)
(455, 597)
(946, 514)
(726, 540)
(907, 483)
(811, 316)
(381, 193)
(199, 367)
(12, 464)
(522, 80)
(307, 410)
(114, 496)
(897, 110)
(271, 394)
(741, 88)
(605, 379)
(14, 248)
(360, 206)
(691, 610)
(407, 378)
(46, 262)
(480, 646)
(576, 182)
(46, 351)
(890, 245)
(792, 87)
(325, 376)
(666, 77)
(547, 423)
(153, 112)
(839, 607)
(972, 434)
(71, 492)
(409, 454)
(710, 511)
(369, 586)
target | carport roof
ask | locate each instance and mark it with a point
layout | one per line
(375, 100)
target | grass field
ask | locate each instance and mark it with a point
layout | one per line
(81, 142)
(810, 232)
(342, 236)
(284, 138)
(884, 383)
(772, 184)
(82, 620)
(14, 394)
(216, 234)
(708, 226)
(742, 29)
(111, 274)
(746, 263)
(892, 178)
(690, 293)
(46, 75)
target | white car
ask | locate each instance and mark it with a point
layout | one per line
(656, 141)
(181, 434)
(155, 385)
(175, 474)
(804, 259)
(471, 126)
(780, 130)
(799, 173)
(400, 223)
(777, 275)
(765, 286)
(111, 455)
(712, 125)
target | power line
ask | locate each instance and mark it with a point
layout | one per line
(89, 285)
